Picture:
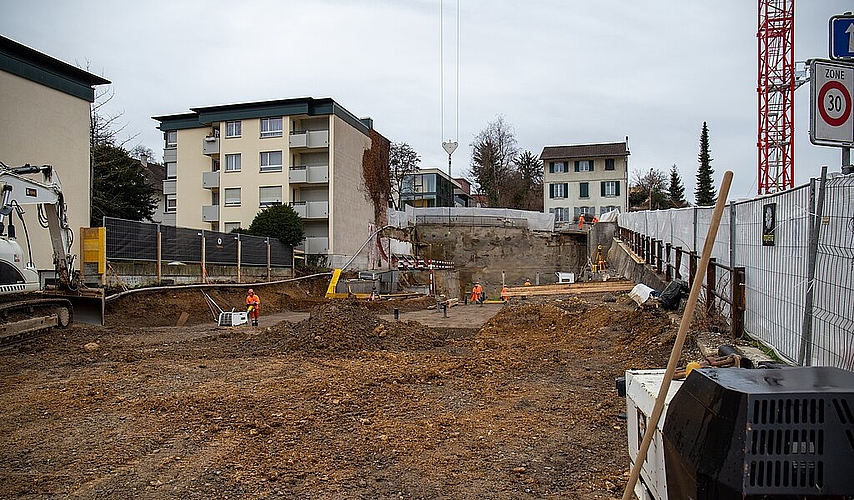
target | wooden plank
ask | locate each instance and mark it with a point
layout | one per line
(574, 288)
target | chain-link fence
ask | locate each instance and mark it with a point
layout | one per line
(137, 241)
(773, 238)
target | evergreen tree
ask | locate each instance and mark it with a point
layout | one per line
(705, 192)
(278, 221)
(676, 189)
(119, 188)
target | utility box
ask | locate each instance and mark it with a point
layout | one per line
(641, 390)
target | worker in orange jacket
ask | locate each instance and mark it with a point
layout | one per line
(477, 293)
(505, 294)
(253, 302)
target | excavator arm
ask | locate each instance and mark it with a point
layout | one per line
(55, 305)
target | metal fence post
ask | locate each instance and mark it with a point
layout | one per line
(711, 279)
(668, 273)
(805, 353)
(738, 301)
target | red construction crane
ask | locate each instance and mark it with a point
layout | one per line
(776, 88)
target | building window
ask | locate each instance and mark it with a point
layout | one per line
(215, 198)
(271, 161)
(558, 190)
(587, 212)
(171, 204)
(610, 188)
(233, 128)
(230, 226)
(270, 195)
(557, 167)
(561, 214)
(584, 190)
(232, 163)
(608, 208)
(171, 138)
(609, 164)
(584, 166)
(171, 170)
(214, 165)
(271, 127)
(232, 197)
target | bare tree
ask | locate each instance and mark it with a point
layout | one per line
(493, 151)
(402, 161)
(652, 185)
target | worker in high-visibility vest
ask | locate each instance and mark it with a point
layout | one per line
(505, 294)
(477, 293)
(253, 302)
(581, 221)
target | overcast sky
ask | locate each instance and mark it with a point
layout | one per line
(559, 71)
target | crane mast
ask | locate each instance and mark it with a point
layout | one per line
(776, 88)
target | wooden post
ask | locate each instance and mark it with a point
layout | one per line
(239, 255)
(676, 352)
(204, 265)
(268, 258)
(659, 253)
(678, 265)
(711, 279)
(159, 256)
(739, 296)
(668, 271)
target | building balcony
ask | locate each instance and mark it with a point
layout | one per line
(170, 155)
(311, 209)
(210, 180)
(169, 186)
(309, 139)
(210, 146)
(316, 245)
(315, 174)
(210, 213)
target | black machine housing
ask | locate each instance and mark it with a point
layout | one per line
(761, 434)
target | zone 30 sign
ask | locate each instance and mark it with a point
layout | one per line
(831, 116)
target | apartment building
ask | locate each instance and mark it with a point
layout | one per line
(44, 119)
(225, 163)
(588, 179)
(432, 187)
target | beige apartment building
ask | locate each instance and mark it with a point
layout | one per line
(588, 179)
(225, 163)
(44, 120)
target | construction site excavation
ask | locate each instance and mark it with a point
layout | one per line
(328, 398)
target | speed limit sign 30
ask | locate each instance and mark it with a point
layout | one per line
(831, 115)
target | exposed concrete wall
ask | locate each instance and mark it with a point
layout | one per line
(139, 273)
(484, 253)
(620, 262)
(601, 233)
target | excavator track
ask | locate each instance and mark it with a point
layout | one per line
(23, 319)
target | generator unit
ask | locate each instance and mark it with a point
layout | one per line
(735, 433)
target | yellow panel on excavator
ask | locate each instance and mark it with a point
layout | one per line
(333, 284)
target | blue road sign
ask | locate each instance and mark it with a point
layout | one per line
(842, 38)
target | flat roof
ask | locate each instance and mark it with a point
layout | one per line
(205, 115)
(25, 62)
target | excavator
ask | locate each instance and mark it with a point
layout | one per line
(27, 307)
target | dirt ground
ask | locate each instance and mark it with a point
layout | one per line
(327, 399)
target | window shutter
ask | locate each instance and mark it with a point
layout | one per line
(591, 164)
(566, 190)
(617, 188)
(551, 167)
(584, 190)
(602, 188)
(551, 190)
(576, 165)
